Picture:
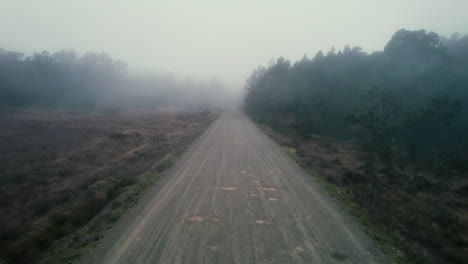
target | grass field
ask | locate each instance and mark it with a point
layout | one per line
(62, 168)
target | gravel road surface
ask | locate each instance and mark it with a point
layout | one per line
(236, 197)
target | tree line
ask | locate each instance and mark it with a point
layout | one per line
(59, 79)
(407, 107)
(411, 95)
(95, 80)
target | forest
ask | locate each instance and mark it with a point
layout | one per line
(413, 92)
(405, 106)
(65, 79)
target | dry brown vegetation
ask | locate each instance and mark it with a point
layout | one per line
(426, 221)
(59, 169)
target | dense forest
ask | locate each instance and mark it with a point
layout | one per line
(406, 106)
(415, 90)
(95, 80)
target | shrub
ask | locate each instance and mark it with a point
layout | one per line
(86, 211)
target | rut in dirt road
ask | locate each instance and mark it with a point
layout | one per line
(235, 197)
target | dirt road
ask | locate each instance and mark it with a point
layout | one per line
(236, 197)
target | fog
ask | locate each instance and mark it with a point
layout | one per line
(99, 98)
(226, 40)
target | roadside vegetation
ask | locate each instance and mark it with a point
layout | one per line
(388, 128)
(80, 138)
(66, 177)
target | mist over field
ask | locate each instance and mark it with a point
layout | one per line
(98, 99)
(211, 40)
(66, 79)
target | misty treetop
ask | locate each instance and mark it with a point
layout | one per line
(64, 79)
(58, 79)
(425, 74)
(406, 107)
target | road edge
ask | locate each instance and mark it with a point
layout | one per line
(108, 222)
(386, 243)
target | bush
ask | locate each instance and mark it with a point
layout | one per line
(113, 190)
(58, 219)
(86, 211)
(117, 136)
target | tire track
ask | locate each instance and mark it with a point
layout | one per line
(235, 197)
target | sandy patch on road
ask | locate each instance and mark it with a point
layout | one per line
(230, 189)
(267, 189)
(299, 249)
(195, 218)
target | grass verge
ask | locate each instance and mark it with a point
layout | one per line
(120, 197)
(389, 244)
(68, 249)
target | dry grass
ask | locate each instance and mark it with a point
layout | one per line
(430, 225)
(60, 169)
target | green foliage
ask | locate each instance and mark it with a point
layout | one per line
(419, 114)
(415, 134)
(380, 115)
(427, 129)
(388, 133)
(381, 119)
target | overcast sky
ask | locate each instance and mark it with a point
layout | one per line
(226, 39)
